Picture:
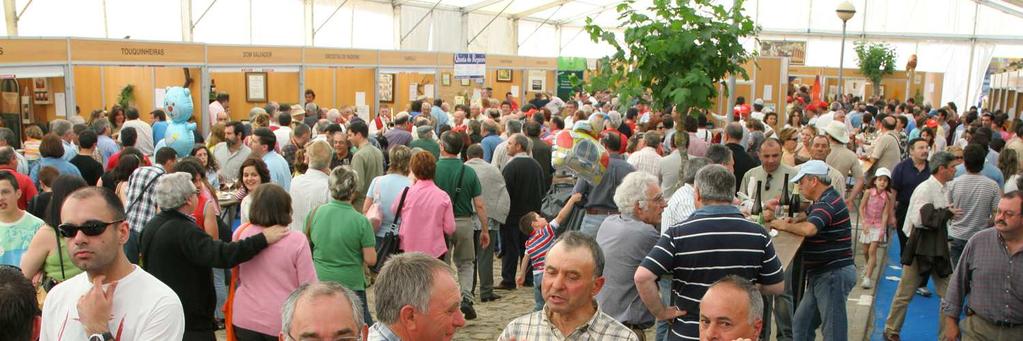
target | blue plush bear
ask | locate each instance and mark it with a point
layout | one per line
(178, 104)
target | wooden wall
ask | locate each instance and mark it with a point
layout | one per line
(402, 81)
(97, 87)
(282, 87)
(42, 113)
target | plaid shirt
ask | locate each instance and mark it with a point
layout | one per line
(537, 326)
(990, 277)
(139, 214)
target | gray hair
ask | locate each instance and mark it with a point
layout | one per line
(100, 125)
(756, 301)
(576, 239)
(319, 289)
(651, 139)
(6, 155)
(632, 191)
(333, 115)
(256, 111)
(513, 126)
(344, 183)
(523, 141)
(173, 190)
(715, 183)
(322, 125)
(940, 159)
(7, 135)
(824, 179)
(733, 130)
(406, 279)
(692, 167)
(719, 154)
(61, 127)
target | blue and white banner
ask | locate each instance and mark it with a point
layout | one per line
(470, 65)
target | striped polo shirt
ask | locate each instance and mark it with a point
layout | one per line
(714, 242)
(831, 247)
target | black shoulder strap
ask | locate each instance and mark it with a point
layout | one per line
(143, 192)
(401, 205)
(60, 254)
(458, 186)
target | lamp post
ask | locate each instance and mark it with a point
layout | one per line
(845, 11)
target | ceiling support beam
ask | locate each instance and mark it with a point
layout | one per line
(1004, 9)
(893, 36)
(484, 29)
(480, 5)
(541, 8)
(585, 14)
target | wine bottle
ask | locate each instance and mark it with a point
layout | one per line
(794, 206)
(783, 201)
(757, 213)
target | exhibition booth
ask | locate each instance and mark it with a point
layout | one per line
(1006, 92)
(33, 81)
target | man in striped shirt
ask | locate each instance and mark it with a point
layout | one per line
(716, 241)
(827, 256)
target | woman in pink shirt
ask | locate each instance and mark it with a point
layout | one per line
(266, 281)
(427, 215)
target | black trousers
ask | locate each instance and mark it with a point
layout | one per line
(243, 334)
(512, 248)
(199, 335)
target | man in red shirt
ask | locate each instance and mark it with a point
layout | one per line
(9, 162)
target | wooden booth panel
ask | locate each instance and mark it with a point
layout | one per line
(401, 88)
(502, 88)
(33, 50)
(88, 93)
(115, 78)
(449, 92)
(282, 87)
(321, 82)
(87, 50)
(352, 80)
(44, 113)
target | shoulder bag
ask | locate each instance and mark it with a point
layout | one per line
(389, 244)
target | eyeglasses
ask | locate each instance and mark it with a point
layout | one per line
(91, 228)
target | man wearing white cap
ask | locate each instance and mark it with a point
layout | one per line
(844, 160)
(827, 255)
(758, 110)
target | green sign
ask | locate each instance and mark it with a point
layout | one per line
(565, 88)
(571, 63)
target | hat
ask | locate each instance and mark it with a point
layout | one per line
(758, 101)
(297, 110)
(836, 130)
(883, 172)
(931, 123)
(812, 167)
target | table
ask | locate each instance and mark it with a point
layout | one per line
(228, 208)
(786, 247)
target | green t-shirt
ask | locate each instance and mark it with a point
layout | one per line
(339, 233)
(428, 145)
(15, 237)
(447, 179)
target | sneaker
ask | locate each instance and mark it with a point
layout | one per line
(866, 283)
(923, 292)
(468, 311)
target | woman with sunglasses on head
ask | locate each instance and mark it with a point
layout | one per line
(48, 262)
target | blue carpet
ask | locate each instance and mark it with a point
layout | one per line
(922, 314)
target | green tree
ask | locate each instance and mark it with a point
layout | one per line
(876, 61)
(673, 53)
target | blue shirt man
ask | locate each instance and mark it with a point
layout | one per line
(489, 144)
(262, 145)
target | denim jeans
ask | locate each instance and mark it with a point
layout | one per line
(823, 305)
(220, 288)
(591, 224)
(366, 316)
(662, 327)
(537, 294)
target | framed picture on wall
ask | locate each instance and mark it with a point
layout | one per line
(465, 82)
(504, 75)
(385, 85)
(41, 91)
(445, 79)
(255, 87)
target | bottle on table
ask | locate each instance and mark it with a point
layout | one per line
(757, 213)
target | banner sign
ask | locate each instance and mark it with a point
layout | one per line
(470, 65)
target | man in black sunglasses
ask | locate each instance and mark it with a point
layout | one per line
(112, 299)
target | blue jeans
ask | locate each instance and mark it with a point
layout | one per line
(220, 287)
(537, 294)
(591, 224)
(663, 327)
(823, 305)
(955, 249)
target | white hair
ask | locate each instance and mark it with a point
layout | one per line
(173, 190)
(318, 289)
(632, 191)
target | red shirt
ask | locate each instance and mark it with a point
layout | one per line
(28, 189)
(112, 161)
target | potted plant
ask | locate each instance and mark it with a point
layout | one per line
(876, 61)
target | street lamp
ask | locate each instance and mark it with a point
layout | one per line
(845, 11)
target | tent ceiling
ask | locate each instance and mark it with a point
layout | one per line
(558, 12)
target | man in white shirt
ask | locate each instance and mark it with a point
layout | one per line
(311, 189)
(113, 299)
(283, 133)
(145, 140)
(758, 110)
(646, 158)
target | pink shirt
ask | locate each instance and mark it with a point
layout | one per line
(425, 219)
(267, 279)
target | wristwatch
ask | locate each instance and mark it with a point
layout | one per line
(102, 337)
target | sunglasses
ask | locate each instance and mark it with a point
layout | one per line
(91, 228)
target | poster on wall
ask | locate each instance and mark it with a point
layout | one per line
(855, 87)
(794, 50)
(537, 80)
(255, 87)
(565, 88)
(41, 91)
(385, 86)
(470, 65)
(26, 109)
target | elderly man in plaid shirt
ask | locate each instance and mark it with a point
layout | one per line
(141, 197)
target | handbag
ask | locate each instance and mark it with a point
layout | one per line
(390, 243)
(374, 213)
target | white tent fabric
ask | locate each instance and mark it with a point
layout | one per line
(941, 32)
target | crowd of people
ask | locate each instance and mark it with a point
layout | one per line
(277, 227)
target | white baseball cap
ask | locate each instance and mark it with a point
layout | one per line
(812, 167)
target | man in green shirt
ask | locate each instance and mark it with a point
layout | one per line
(368, 161)
(17, 227)
(462, 185)
(426, 141)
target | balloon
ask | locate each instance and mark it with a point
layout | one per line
(180, 136)
(581, 154)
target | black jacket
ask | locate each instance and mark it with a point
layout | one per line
(743, 162)
(181, 255)
(928, 244)
(542, 155)
(524, 178)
